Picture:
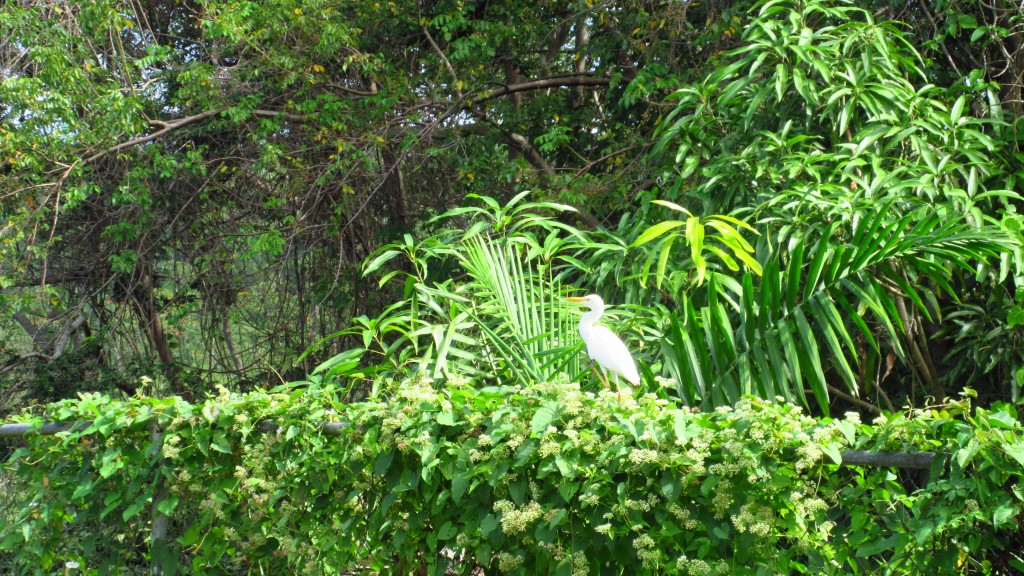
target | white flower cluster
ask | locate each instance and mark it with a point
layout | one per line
(515, 521)
(580, 566)
(754, 518)
(696, 567)
(549, 448)
(509, 562)
(647, 551)
(640, 456)
(420, 391)
(684, 516)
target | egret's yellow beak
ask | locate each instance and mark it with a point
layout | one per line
(576, 299)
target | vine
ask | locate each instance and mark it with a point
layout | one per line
(545, 479)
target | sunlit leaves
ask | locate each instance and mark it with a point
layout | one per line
(823, 125)
(724, 235)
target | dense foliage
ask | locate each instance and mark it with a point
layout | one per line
(545, 479)
(791, 205)
(192, 186)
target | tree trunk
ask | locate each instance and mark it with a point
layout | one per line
(229, 341)
(394, 185)
(154, 327)
(580, 65)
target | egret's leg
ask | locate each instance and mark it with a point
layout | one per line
(600, 375)
(618, 390)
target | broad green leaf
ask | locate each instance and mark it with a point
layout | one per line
(656, 231)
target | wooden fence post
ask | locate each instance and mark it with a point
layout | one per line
(159, 551)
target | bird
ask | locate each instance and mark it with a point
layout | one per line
(603, 346)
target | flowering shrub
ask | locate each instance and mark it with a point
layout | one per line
(539, 480)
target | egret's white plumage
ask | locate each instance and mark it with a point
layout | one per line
(603, 346)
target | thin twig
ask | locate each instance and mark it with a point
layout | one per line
(854, 400)
(447, 64)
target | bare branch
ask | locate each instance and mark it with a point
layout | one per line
(541, 84)
(447, 64)
(167, 127)
(854, 400)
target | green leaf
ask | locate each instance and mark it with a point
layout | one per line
(878, 545)
(831, 450)
(82, 489)
(1015, 450)
(548, 413)
(167, 505)
(447, 531)
(111, 462)
(1016, 316)
(446, 418)
(1004, 514)
(221, 444)
(460, 483)
(656, 231)
(133, 509)
(383, 462)
(488, 524)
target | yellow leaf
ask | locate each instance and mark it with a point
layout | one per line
(318, 68)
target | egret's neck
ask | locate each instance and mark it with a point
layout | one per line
(591, 316)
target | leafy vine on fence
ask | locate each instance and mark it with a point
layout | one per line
(541, 479)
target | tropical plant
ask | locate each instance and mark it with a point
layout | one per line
(873, 195)
(725, 233)
(497, 311)
(808, 320)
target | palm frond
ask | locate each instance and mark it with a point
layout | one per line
(798, 327)
(520, 312)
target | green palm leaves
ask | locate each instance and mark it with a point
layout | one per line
(800, 326)
(877, 199)
(500, 316)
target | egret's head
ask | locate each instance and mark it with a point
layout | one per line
(592, 301)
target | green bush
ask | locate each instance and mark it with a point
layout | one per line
(537, 480)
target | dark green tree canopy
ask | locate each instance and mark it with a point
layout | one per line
(190, 188)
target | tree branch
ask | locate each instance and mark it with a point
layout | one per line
(854, 400)
(534, 157)
(168, 127)
(919, 460)
(447, 64)
(541, 84)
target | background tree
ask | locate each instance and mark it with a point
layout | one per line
(190, 187)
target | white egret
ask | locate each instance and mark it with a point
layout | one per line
(603, 346)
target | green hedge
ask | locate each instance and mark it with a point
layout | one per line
(545, 480)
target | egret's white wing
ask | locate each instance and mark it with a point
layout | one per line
(605, 348)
